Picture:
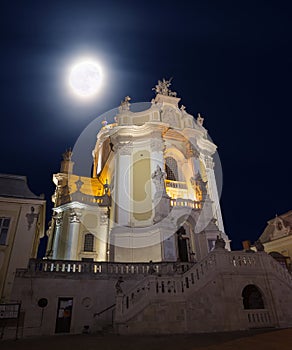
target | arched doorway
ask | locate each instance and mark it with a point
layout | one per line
(252, 298)
(182, 245)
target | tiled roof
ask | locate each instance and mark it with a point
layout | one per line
(15, 186)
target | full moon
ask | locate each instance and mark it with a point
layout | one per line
(85, 78)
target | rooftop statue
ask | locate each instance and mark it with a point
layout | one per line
(162, 88)
(200, 119)
(125, 105)
(67, 155)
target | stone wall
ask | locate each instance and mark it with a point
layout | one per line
(156, 298)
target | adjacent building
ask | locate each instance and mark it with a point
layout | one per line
(277, 238)
(22, 220)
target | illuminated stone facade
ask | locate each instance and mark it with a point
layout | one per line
(152, 195)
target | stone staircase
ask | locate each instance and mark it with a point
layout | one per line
(179, 288)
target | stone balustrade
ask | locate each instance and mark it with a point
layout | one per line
(176, 184)
(258, 318)
(181, 202)
(40, 266)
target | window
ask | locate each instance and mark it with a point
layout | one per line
(4, 226)
(252, 298)
(88, 242)
(171, 169)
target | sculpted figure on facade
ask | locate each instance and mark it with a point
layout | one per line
(199, 187)
(219, 243)
(162, 88)
(125, 104)
(200, 119)
(67, 155)
(158, 178)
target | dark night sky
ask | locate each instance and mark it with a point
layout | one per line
(231, 61)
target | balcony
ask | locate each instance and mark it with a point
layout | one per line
(178, 192)
(176, 189)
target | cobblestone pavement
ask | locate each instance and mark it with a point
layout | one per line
(251, 340)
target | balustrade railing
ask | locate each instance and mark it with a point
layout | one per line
(102, 201)
(181, 202)
(108, 268)
(258, 318)
(176, 184)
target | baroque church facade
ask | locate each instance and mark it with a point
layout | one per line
(140, 247)
(153, 175)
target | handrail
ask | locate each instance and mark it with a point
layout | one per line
(104, 310)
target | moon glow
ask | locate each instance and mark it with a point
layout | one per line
(85, 78)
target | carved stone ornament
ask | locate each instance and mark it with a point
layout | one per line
(79, 184)
(118, 285)
(157, 145)
(103, 219)
(30, 217)
(162, 88)
(126, 148)
(58, 218)
(191, 151)
(74, 216)
(169, 116)
(183, 108)
(209, 162)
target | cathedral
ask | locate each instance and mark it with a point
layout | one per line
(139, 247)
(152, 194)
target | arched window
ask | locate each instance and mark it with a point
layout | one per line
(252, 298)
(171, 169)
(88, 242)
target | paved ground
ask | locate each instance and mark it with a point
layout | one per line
(252, 340)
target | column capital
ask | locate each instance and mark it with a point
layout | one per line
(75, 215)
(58, 217)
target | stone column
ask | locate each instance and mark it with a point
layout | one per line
(58, 227)
(72, 242)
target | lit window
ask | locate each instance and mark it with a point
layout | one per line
(4, 226)
(88, 242)
(171, 169)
